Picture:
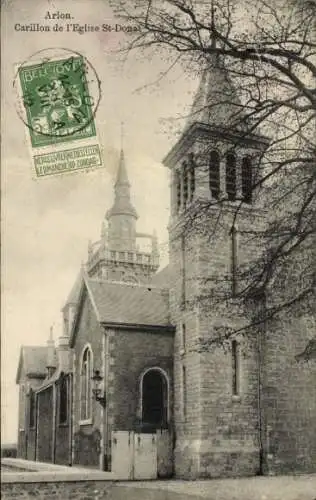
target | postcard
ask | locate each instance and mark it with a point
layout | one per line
(158, 257)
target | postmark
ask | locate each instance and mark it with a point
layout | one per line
(58, 93)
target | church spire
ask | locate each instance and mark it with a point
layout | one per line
(122, 216)
(122, 201)
(122, 177)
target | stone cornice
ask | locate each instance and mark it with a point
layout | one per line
(201, 130)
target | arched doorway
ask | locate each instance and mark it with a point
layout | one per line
(154, 394)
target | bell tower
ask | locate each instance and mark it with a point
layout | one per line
(117, 256)
(213, 167)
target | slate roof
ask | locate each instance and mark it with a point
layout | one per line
(74, 295)
(216, 101)
(33, 359)
(163, 278)
(129, 304)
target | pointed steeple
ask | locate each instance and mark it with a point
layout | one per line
(122, 202)
(216, 102)
(122, 178)
(122, 216)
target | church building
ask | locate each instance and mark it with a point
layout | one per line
(138, 352)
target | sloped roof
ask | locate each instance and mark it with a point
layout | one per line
(163, 278)
(33, 360)
(129, 304)
(122, 177)
(74, 295)
(216, 102)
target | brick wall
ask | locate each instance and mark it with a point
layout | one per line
(62, 448)
(44, 448)
(86, 440)
(132, 352)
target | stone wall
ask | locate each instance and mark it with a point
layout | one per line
(87, 490)
(289, 397)
(217, 433)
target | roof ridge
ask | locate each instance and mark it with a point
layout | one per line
(134, 285)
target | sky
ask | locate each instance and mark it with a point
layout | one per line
(48, 222)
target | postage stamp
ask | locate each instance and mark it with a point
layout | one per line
(57, 99)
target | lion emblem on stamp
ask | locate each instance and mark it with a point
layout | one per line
(57, 99)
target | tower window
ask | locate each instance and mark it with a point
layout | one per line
(184, 391)
(235, 368)
(214, 174)
(185, 183)
(246, 179)
(178, 190)
(182, 271)
(63, 400)
(233, 235)
(183, 330)
(231, 176)
(192, 180)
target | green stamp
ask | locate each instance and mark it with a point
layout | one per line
(58, 106)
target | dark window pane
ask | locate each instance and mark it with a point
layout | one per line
(235, 368)
(246, 179)
(214, 174)
(63, 401)
(231, 176)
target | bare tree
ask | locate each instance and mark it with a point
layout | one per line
(268, 52)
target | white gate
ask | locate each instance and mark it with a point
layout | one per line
(123, 454)
(140, 456)
(145, 456)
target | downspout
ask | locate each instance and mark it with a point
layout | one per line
(70, 406)
(262, 331)
(105, 419)
(54, 423)
(36, 426)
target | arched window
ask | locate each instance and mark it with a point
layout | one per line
(246, 179)
(185, 184)
(85, 384)
(235, 368)
(214, 174)
(63, 400)
(234, 258)
(154, 399)
(231, 176)
(192, 180)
